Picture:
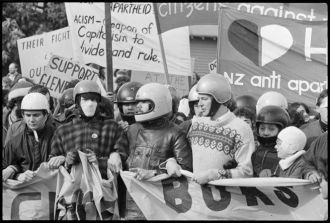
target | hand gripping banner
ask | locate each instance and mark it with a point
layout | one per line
(164, 198)
(59, 195)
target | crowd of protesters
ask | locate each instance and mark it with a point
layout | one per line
(147, 129)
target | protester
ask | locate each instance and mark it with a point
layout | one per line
(18, 126)
(6, 83)
(290, 148)
(317, 127)
(106, 108)
(87, 132)
(302, 108)
(175, 116)
(219, 136)
(270, 121)
(247, 115)
(12, 112)
(271, 98)
(25, 151)
(154, 141)
(244, 101)
(66, 107)
(316, 163)
(296, 118)
(126, 102)
(13, 74)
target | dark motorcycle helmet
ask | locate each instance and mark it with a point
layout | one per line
(272, 114)
(126, 94)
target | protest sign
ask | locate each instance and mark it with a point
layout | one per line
(262, 53)
(213, 66)
(135, 43)
(173, 15)
(60, 71)
(35, 51)
(179, 82)
(183, 199)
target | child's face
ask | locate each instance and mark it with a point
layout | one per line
(281, 153)
(268, 130)
(247, 120)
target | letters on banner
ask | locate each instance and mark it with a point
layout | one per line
(163, 198)
(59, 195)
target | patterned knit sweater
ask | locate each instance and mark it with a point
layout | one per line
(215, 142)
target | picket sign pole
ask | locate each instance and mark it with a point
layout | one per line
(161, 43)
(109, 76)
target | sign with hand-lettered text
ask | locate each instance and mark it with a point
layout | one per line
(135, 42)
(35, 51)
(163, 198)
(262, 53)
(60, 71)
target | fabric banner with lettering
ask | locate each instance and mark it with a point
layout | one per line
(178, 14)
(57, 194)
(135, 41)
(262, 53)
(33, 200)
(163, 198)
(35, 51)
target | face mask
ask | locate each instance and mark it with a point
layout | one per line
(88, 107)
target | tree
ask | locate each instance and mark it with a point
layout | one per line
(21, 20)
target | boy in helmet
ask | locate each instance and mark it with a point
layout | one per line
(155, 143)
(25, 151)
(126, 103)
(219, 136)
(270, 121)
(88, 132)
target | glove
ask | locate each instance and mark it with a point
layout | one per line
(172, 168)
(8, 173)
(231, 164)
(206, 176)
(143, 174)
(72, 157)
(114, 162)
(91, 156)
(55, 162)
(26, 176)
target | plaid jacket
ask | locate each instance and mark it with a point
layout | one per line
(100, 135)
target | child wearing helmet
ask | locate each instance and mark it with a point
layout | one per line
(156, 145)
(35, 139)
(290, 148)
(219, 137)
(270, 121)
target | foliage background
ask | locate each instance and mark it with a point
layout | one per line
(24, 19)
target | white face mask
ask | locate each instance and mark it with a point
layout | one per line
(88, 107)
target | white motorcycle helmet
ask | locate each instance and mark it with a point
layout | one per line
(160, 99)
(36, 102)
(271, 98)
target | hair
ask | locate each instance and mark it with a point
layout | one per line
(245, 112)
(295, 105)
(322, 95)
(11, 104)
(129, 72)
(231, 104)
(106, 108)
(89, 96)
(296, 118)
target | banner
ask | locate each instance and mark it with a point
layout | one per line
(57, 194)
(135, 42)
(35, 51)
(33, 200)
(163, 198)
(262, 53)
(60, 71)
(179, 82)
(178, 14)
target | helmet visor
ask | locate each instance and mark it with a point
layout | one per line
(144, 107)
